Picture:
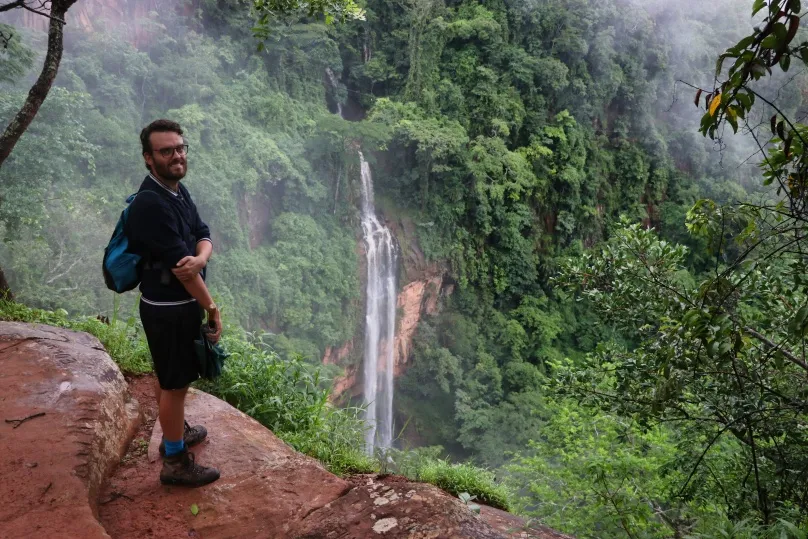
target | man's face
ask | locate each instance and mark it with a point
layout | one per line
(173, 167)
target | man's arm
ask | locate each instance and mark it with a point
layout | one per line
(190, 266)
(204, 248)
(199, 291)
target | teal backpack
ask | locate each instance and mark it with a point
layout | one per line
(121, 266)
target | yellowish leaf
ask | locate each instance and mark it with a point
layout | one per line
(714, 104)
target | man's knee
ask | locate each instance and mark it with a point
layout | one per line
(175, 393)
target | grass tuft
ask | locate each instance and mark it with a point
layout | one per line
(424, 464)
(122, 340)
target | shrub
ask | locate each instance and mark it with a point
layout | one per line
(286, 397)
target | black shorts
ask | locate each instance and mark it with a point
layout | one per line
(171, 331)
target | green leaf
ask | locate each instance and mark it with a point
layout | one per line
(194, 509)
(744, 100)
(770, 42)
(757, 6)
(785, 62)
(745, 42)
(804, 55)
(719, 64)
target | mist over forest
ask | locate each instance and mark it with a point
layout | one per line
(613, 314)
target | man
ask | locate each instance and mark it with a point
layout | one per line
(165, 228)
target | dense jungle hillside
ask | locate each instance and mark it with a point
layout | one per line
(524, 149)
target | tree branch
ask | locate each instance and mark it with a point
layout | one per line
(39, 91)
(23, 5)
(770, 344)
(51, 17)
(12, 5)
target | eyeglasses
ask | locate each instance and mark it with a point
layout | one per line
(181, 150)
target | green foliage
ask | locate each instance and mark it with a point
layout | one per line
(268, 11)
(703, 363)
(599, 475)
(15, 57)
(121, 339)
(462, 477)
(511, 137)
(286, 397)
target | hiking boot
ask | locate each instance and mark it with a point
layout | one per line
(182, 470)
(191, 436)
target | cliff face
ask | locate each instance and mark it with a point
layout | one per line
(95, 15)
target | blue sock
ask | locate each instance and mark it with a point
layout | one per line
(172, 448)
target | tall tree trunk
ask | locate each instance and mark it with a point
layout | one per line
(39, 91)
(5, 290)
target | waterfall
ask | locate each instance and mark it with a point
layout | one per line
(380, 320)
(333, 81)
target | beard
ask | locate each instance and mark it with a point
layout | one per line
(173, 172)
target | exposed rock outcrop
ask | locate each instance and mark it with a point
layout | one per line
(52, 466)
(416, 299)
(266, 488)
(395, 509)
(348, 384)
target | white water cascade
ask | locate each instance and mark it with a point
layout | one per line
(380, 320)
(332, 79)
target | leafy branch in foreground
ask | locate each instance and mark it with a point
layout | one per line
(697, 363)
(721, 355)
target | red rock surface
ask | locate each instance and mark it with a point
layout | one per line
(415, 299)
(265, 487)
(515, 527)
(269, 490)
(395, 509)
(51, 466)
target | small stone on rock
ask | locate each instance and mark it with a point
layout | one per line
(385, 525)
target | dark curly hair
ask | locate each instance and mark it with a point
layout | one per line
(157, 126)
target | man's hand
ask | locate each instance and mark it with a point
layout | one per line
(216, 332)
(189, 267)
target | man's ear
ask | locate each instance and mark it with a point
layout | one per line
(147, 157)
